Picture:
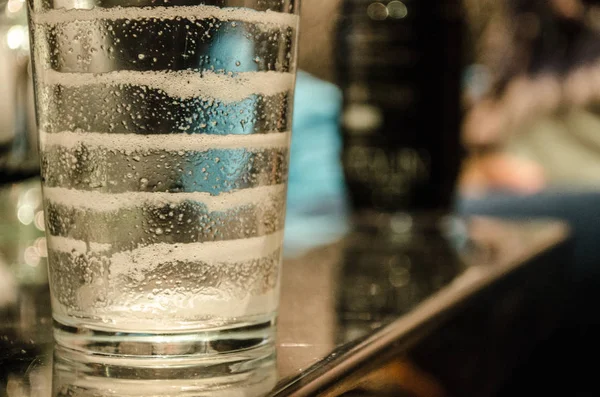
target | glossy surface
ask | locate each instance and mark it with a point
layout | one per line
(357, 298)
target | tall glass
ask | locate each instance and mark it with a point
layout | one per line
(164, 135)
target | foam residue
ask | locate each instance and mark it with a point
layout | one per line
(142, 314)
(212, 252)
(183, 84)
(128, 144)
(192, 13)
(65, 244)
(111, 202)
(150, 256)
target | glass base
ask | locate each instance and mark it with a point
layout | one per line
(215, 351)
(81, 374)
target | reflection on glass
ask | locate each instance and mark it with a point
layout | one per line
(81, 375)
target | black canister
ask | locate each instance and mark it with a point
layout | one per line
(399, 65)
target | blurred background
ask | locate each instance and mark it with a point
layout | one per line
(405, 112)
(501, 94)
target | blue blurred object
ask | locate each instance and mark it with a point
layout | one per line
(317, 206)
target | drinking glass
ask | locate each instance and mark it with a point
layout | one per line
(164, 132)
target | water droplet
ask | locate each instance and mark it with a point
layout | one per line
(158, 231)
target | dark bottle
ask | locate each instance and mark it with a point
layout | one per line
(399, 65)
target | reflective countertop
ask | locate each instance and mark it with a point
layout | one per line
(373, 294)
